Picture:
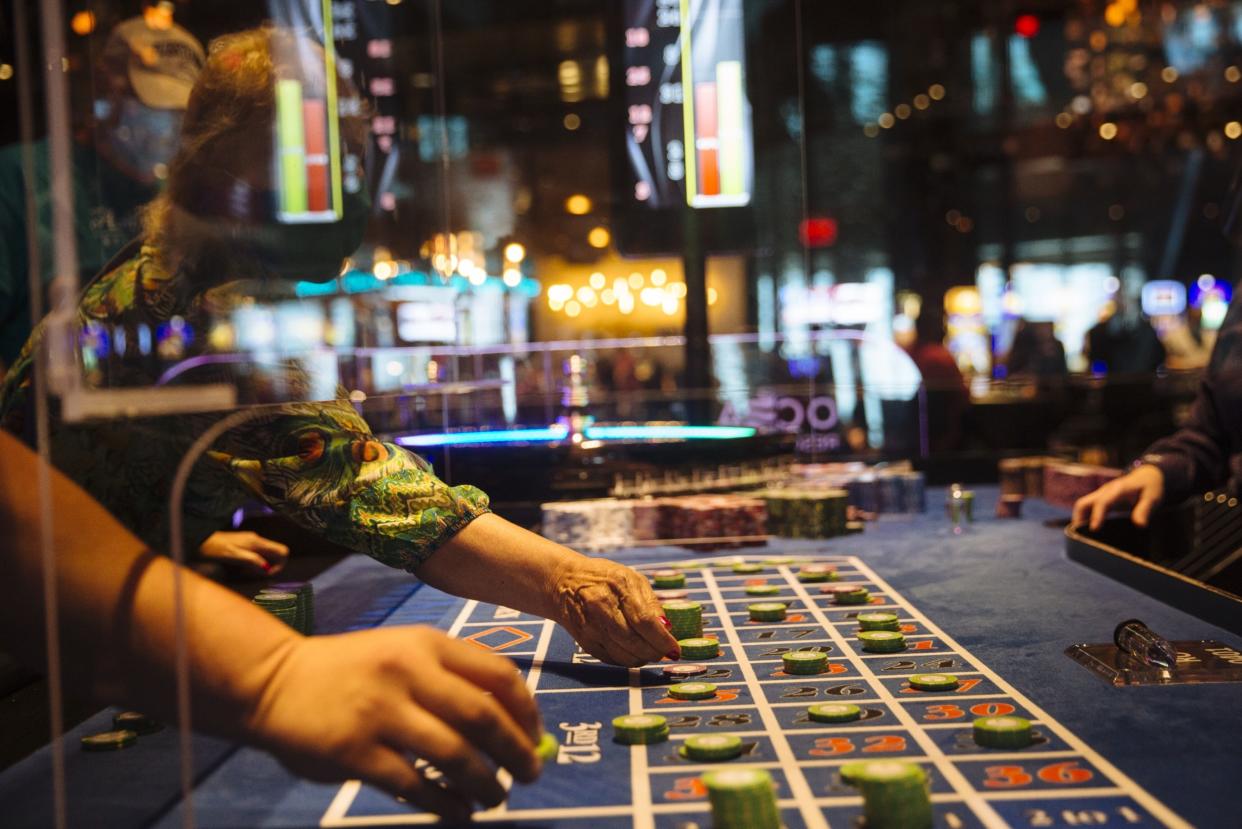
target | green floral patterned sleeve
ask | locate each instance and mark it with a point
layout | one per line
(324, 469)
(316, 463)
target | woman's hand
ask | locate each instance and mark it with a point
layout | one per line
(1143, 487)
(611, 611)
(246, 550)
(365, 705)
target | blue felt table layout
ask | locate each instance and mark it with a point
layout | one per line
(1057, 781)
(1001, 589)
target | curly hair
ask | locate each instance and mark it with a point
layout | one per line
(221, 175)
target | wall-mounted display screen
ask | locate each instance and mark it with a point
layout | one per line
(690, 139)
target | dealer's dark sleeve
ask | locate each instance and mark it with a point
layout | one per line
(1197, 456)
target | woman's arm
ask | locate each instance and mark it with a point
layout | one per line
(608, 608)
(330, 707)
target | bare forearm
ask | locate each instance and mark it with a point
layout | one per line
(117, 611)
(493, 560)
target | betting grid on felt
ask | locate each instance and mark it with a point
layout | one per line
(1057, 781)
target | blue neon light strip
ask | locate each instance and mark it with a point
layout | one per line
(592, 433)
(472, 438)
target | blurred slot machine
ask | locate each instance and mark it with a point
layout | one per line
(967, 336)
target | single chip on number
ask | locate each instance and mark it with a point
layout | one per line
(878, 620)
(671, 595)
(692, 690)
(1003, 732)
(804, 662)
(767, 611)
(712, 747)
(683, 671)
(747, 567)
(640, 729)
(933, 682)
(834, 712)
(882, 641)
(762, 590)
(109, 740)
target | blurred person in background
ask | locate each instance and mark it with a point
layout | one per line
(140, 83)
(214, 240)
(1124, 342)
(1036, 352)
(947, 396)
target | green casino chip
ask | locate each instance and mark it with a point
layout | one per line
(685, 619)
(855, 595)
(933, 682)
(692, 690)
(548, 747)
(747, 568)
(712, 747)
(1003, 732)
(804, 662)
(877, 620)
(140, 724)
(767, 611)
(817, 572)
(640, 729)
(882, 641)
(895, 794)
(742, 798)
(276, 600)
(699, 648)
(109, 740)
(666, 579)
(777, 561)
(763, 590)
(833, 712)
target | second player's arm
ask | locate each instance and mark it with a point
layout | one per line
(608, 608)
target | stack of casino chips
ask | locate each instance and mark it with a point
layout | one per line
(284, 606)
(807, 513)
(700, 522)
(1065, 483)
(895, 793)
(742, 798)
(685, 619)
(304, 621)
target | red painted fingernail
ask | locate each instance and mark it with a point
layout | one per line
(673, 655)
(667, 624)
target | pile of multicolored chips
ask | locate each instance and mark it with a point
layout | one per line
(293, 602)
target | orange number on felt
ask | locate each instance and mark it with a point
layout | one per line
(795, 617)
(966, 684)
(943, 712)
(1006, 777)
(836, 668)
(909, 628)
(992, 709)
(923, 645)
(686, 788)
(831, 746)
(724, 696)
(885, 743)
(1065, 773)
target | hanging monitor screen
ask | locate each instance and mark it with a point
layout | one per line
(690, 138)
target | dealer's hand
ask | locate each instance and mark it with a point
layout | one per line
(611, 611)
(365, 705)
(1143, 487)
(247, 551)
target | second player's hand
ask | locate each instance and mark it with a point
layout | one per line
(247, 550)
(1143, 487)
(365, 705)
(611, 611)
